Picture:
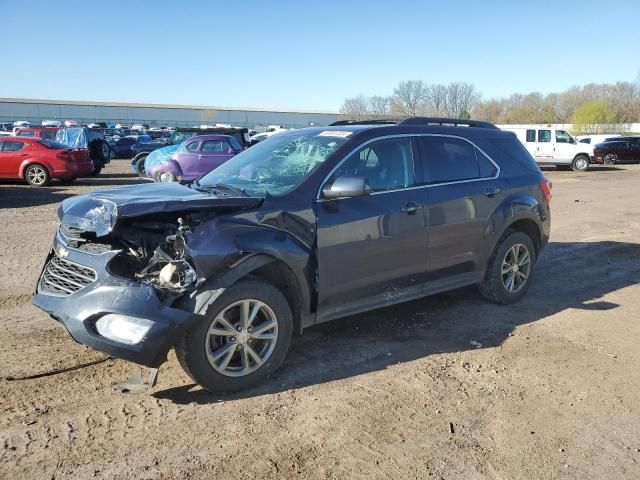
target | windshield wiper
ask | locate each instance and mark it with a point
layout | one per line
(219, 188)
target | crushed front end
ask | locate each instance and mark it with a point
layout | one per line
(115, 270)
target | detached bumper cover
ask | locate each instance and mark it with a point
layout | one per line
(79, 311)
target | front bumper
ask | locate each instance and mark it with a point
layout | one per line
(108, 294)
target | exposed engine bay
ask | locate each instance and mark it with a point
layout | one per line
(152, 249)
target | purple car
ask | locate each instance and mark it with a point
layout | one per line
(195, 157)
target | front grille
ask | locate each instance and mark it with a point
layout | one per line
(63, 277)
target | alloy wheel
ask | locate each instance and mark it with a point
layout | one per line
(241, 338)
(516, 267)
(36, 175)
(610, 159)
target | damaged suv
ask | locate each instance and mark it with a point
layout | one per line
(307, 226)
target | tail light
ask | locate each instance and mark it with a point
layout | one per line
(63, 155)
(545, 186)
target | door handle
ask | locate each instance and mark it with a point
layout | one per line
(23, 154)
(412, 207)
(491, 191)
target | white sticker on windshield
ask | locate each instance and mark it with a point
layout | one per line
(335, 133)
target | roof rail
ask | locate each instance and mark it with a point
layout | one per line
(446, 121)
(375, 121)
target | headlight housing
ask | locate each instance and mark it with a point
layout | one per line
(123, 328)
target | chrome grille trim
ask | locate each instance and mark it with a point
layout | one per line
(63, 277)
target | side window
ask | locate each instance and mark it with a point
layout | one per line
(531, 135)
(12, 146)
(562, 137)
(48, 135)
(449, 160)
(26, 134)
(217, 146)
(192, 147)
(544, 136)
(386, 164)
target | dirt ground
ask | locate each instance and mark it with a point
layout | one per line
(446, 387)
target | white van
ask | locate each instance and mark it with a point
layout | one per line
(552, 146)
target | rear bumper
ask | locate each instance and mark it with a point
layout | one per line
(79, 311)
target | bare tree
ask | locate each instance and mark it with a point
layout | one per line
(379, 106)
(409, 97)
(461, 99)
(356, 108)
(436, 100)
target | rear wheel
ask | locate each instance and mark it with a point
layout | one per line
(510, 269)
(140, 166)
(580, 163)
(37, 175)
(243, 341)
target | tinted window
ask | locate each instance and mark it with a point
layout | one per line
(192, 147)
(12, 146)
(531, 135)
(235, 144)
(214, 146)
(26, 134)
(386, 164)
(448, 159)
(544, 136)
(48, 135)
(563, 137)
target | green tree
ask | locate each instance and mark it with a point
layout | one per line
(592, 117)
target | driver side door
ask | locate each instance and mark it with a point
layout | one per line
(371, 249)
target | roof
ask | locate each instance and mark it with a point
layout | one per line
(159, 105)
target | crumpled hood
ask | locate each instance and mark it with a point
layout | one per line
(99, 211)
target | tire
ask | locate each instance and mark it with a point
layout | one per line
(96, 171)
(196, 349)
(495, 286)
(140, 166)
(165, 177)
(114, 155)
(580, 163)
(610, 159)
(37, 175)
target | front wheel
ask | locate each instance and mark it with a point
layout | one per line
(140, 167)
(580, 164)
(165, 177)
(510, 269)
(243, 341)
(610, 159)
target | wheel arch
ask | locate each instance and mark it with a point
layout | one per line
(28, 163)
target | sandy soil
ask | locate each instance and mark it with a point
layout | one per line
(445, 387)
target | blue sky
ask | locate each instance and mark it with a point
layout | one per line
(307, 55)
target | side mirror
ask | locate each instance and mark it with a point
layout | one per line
(347, 187)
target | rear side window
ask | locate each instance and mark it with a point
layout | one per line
(214, 146)
(448, 159)
(544, 136)
(12, 146)
(26, 134)
(48, 135)
(531, 135)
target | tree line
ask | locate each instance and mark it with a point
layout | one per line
(587, 107)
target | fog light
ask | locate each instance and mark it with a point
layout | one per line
(123, 329)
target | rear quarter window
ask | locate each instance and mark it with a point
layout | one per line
(510, 149)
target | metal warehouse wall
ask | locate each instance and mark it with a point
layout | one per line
(12, 109)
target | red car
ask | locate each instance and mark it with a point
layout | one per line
(48, 133)
(38, 161)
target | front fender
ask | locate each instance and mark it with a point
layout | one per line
(169, 165)
(224, 251)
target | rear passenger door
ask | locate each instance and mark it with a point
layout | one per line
(463, 192)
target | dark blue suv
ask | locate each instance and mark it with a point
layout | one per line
(308, 226)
